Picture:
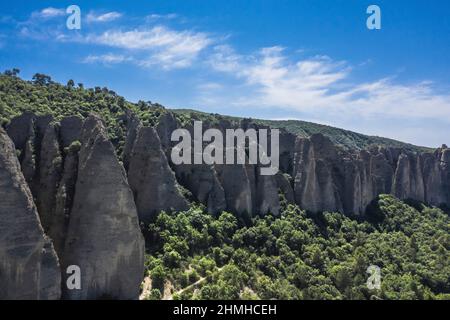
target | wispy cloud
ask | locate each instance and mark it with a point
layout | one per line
(148, 44)
(316, 88)
(49, 12)
(156, 16)
(156, 46)
(109, 58)
(319, 84)
(225, 59)
(104, 17)
(42, 25)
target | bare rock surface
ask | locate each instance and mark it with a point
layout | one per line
(152, 180)
(103, 236)
(29, 267)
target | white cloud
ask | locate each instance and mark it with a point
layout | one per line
(315, 88)
(225, 59)
(155, 16)
(209, 86)
(156, 46)
(48, 13)
(42, 25)
(107, 58)
(319, 85)
(105, 17)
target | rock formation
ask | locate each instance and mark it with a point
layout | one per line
(133, 126)
(151, 179)
(202, 181)
(49, 174)
(236, 183)
(29, 267)
(316, 183)
(103, 236)
(70, 130)
(84, 202)
(236, 188)
(65, 199)
(329, 179)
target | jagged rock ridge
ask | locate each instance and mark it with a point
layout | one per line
(89, 204)
(327, 179)
(84, 202)
(29, 267)
(103, 235)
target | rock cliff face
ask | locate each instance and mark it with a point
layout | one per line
(324, 177)
(103, 236)
(328, 179)
(236, 188)
(151, 179)
(29, 267)
(65, 199)
(316, 172)
(85, 207)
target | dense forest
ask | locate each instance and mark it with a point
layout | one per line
(295, 255)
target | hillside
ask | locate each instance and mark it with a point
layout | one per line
(43, 96)
(98, 191)
(341, 137)
(302, 257)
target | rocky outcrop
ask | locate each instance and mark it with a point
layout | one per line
(285, 186)
(64, 185)
(267, 194)
(21, 128)
(65, 193)
(238, 189)
(70, 130)
(153, 182)
(29, 267)
(50, 170)
(166, 125)
(444, 163)
(103, 236)
(27, 131)
(133, 125)
(202, 181)
(329, 179)
(85, 205)
(316, 182)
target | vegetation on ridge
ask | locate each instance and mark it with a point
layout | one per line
(292, 256)
(43, 96)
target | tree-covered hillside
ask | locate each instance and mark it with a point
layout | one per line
(295, 256)
(343, 138)
(43, 96)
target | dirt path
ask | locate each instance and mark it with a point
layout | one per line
(146, 289)
(179, 292)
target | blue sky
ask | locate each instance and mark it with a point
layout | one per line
(309, 60)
